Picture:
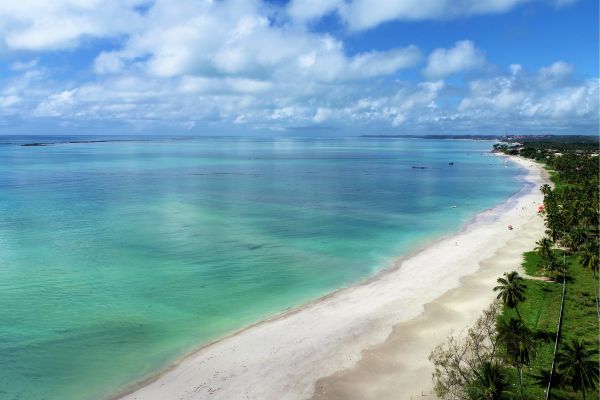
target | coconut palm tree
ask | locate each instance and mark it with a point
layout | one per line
(555, 218)
(519, 343)
(569, 242)
(577, 365)
(590, 259)
(511, 290)
(545, 189)
(490, 383)
(544, 247)
(577, 237)
(543, 376)
(547, 255)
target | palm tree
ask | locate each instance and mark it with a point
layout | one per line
(555, 218)
(511, 290)
(578, 367)
(549, 261)
(544, 246)
(543, 376)
(490, 383)
(577, 237)
(590, 259)
(519, 343)
(545, 189)
(569, 242)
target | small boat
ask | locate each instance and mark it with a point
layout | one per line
(417, 167)
(510, 227)
(451, 163)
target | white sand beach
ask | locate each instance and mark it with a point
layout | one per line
(369, 341)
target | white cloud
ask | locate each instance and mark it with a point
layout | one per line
(57, 24)
(9, 101)
(522, 99)
(322, 114)
(193, 84)
(383, 63)
(365, 14)
(515, 69)
(41, 25)
(558, 69)
(56, 105)
(238, 39)
(23, 65)
(108, 63)
(304, 10)
(570, 102)
(254, 65)
(554, 74)
(462, 57)
(191, 102)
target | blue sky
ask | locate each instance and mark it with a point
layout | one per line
(321, 67)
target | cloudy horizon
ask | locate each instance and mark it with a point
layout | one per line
(299, 66)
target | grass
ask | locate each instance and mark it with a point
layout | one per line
(540, 313)
(541, 310)
(531, 264)
(555, 178)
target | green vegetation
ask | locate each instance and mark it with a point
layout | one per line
(511, 291)
(544, 148)
(520, 352)
(518, 344)
(540, 314)
(580, 369)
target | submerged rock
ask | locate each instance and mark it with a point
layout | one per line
(33, 144)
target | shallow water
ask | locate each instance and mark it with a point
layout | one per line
(117, 257)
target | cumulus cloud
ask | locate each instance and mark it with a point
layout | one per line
(555, 74)
(250, 64)
(56, 104)
(512, 98)
(376, 63)
(57, 24)
(462, 57)
(519, 98)
(239, 39)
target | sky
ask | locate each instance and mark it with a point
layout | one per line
(299, 67)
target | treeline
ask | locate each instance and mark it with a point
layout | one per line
(547, 145)
(572, 208)
(542, 149)
(572, 218)
(479, 365)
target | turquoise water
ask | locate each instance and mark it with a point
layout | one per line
(118, 257)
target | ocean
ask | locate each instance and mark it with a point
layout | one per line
(119, 256)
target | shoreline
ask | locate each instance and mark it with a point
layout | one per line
(402, 360)
(323, 348)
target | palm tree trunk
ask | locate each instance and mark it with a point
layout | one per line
(597, 295)
(521, 382)
(583, 391)
(518, 315)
